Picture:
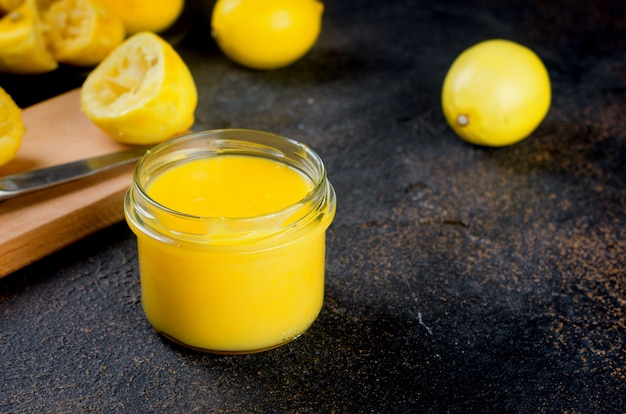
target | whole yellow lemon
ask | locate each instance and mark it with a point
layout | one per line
(496, 93)
(266, 34)
(146, 15)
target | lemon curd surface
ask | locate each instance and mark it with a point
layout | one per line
(229, 186)
(233, 289)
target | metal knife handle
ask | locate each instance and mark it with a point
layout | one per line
(25, 182)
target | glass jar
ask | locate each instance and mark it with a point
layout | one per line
(231, 284)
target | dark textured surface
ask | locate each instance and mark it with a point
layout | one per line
(460, 279)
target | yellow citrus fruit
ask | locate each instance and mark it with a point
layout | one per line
(11, 128)
(23, 46)
(146, 15)
(266, 34)
(82, 32)
(496, 93)
(141, 93)
(9, 5)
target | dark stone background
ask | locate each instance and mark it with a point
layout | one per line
(459, 279)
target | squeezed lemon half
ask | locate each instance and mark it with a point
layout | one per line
(11, 127)
(82, 32)
(496, 93)
(22, 42)
(141, 93)
(266, 34)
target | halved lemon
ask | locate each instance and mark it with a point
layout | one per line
(11, 127)
(82, 32)
(142, 92)
(146, 15)
(23, 43)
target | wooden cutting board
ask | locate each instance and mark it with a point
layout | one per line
(39, 223)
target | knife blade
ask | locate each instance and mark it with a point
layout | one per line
(25, 182)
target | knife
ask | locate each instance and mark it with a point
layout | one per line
(20, 183)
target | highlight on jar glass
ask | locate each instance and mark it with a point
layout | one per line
(231, 233)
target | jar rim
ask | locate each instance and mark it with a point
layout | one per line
(228, 135)
(311, 214)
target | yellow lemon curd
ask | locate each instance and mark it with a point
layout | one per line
(247, 274)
